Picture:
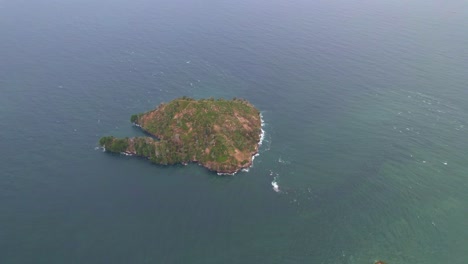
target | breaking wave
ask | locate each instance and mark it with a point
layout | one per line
(262, 137)
(100, 148)
(275, 185)
(262, 134)
(229, 174)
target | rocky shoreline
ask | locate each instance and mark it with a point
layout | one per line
(221, 135)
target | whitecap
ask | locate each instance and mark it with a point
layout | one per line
(275, 186)
(274, 183)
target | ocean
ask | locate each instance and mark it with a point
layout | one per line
(365, 105)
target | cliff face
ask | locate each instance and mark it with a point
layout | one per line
(222, 135)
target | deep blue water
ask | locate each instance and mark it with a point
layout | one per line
(365, 106)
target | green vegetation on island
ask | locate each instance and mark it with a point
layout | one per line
(222, 135)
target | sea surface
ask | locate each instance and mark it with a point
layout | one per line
(365, 105)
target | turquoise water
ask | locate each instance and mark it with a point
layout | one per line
(365, 106)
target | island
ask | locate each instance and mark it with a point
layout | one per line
(221, 135)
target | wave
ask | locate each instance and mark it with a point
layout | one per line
(262, 137)
(262, 133)
(230, 174)
(275, 185)
(100, 148)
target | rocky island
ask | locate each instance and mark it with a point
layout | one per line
(221, 135)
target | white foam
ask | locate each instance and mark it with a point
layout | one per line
(275, 186)
(262, 134)
(445, 163)
(101, 148)
(262, 137)
(253, 157)
(274, 183)
(230, 174)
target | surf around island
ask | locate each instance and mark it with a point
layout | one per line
(221, 135)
